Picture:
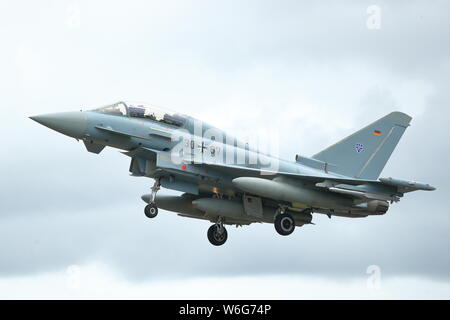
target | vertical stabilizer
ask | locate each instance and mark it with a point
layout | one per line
(365, 153)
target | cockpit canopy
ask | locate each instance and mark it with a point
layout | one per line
(119, 108)
(145, 111)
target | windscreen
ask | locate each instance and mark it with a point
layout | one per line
(118, 108)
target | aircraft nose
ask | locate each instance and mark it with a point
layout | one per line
(72, 124)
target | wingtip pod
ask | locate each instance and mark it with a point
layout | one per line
(407, 185)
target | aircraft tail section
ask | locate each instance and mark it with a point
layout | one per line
(364, 154)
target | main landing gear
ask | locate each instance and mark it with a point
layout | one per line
(284, 223)
(217, 234)
(151, 210)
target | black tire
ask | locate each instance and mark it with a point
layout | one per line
(284, 224)
(151, 210)
(216, 238)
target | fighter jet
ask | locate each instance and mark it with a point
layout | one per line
(228, 182)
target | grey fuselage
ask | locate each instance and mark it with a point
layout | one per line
(191, 169)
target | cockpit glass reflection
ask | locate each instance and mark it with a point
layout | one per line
(119, 108)
(156, 114)
(145, 111)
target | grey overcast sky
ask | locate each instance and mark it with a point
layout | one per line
(71, 223)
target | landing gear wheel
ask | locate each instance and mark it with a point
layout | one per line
(284, 224)
(151, 210)
(217, 235)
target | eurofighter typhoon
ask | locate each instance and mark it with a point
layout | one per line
(228, 182)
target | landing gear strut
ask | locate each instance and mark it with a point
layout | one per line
(284, 223)
(151, 210)
(217, 234)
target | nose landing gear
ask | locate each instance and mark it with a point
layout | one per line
(151, 210)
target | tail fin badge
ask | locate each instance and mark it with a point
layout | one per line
(359, 147)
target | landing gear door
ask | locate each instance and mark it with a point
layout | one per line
(253, 206)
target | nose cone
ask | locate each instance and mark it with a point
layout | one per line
(72, 124)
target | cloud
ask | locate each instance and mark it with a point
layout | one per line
(97, 281)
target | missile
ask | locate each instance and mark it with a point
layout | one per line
(179, 204)
(220, 207)
(234, 209)
(284, 190)
(209, 208)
